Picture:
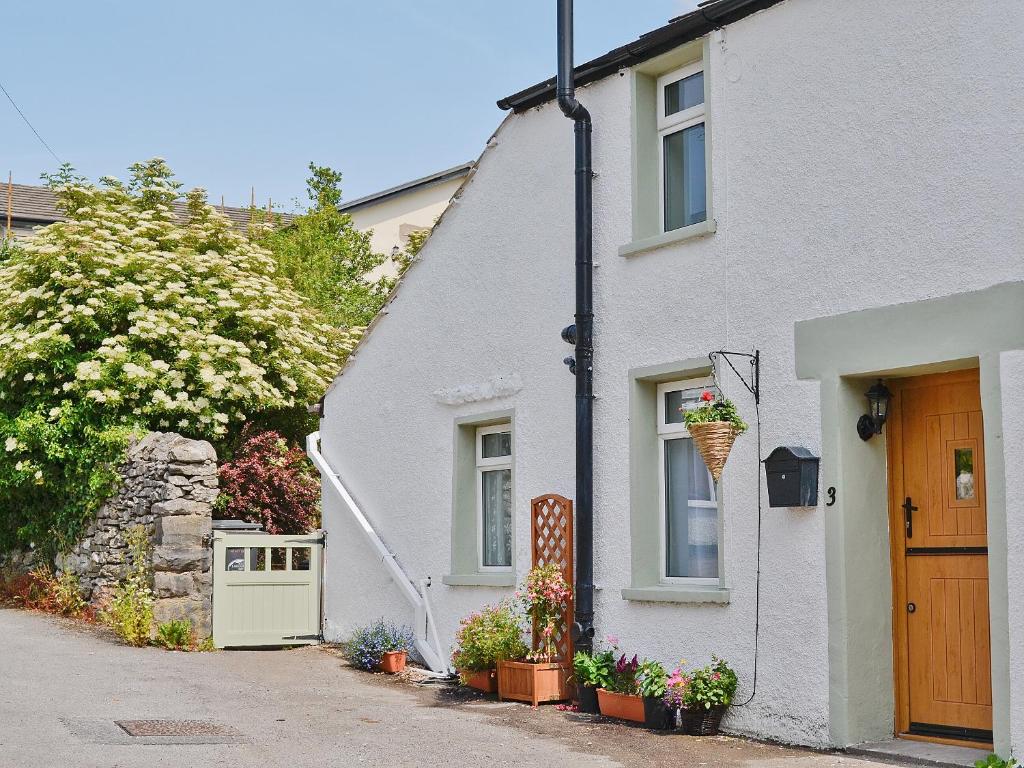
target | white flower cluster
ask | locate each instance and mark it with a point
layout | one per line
(170, 322)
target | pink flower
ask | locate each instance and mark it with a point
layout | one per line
(612, 639)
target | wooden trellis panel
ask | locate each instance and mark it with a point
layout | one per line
(551, 541)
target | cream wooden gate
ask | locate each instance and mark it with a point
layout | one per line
(266, 589)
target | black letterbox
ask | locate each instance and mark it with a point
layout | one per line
(792, 477)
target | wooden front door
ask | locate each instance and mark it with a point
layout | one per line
(940, 558)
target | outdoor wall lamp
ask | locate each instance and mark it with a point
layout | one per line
(870, 424)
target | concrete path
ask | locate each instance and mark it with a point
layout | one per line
(63, 686)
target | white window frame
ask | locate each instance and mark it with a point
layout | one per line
(488, 465)
(666, 432)
(680, 121)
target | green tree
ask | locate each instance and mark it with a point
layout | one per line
(327, 258)
(123, 319)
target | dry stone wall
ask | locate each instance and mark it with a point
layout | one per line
(169, 486)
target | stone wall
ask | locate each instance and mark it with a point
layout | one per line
(169, 486)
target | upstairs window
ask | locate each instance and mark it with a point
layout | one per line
(494, 496)
(681, 146)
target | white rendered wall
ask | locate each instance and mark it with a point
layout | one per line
(867, 154)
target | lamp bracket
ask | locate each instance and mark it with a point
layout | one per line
(754, 385)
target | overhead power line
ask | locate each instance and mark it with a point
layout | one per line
(29, 124)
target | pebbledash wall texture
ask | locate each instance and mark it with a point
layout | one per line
(169, 484)
(841, 182)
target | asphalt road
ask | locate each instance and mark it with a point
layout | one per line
(63, 687)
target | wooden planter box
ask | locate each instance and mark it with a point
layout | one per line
(535, 683)
(485, 680)
(620, 705)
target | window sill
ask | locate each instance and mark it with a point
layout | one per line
(700, 229)
(479, 579)
(677, 594)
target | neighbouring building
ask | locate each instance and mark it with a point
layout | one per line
(394, 214)
(33, 205)
(838, 185)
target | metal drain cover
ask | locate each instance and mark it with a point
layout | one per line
(184, 728)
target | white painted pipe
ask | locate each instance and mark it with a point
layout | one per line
(429, 650)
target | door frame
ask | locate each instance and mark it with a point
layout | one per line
(897, 547)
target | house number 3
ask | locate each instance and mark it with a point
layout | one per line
(831, 496)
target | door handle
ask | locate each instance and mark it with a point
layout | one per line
(908, 517)
(911, 607)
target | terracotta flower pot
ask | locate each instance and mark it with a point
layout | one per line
(392, 662)
(620, 705)
(535, 683)
(485, 680)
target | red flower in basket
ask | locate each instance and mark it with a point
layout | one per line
(706, 396)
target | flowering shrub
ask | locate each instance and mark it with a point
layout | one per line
(369, 644)
(711, 409)
(271, 483)
(624, 676)
(486, 637)
(711, 686)
(125, 318)
(545, 595)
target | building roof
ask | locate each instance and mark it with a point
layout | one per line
(455, 172)
(708, 16)
(37, 205)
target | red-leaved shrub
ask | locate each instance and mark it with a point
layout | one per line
(271, 483)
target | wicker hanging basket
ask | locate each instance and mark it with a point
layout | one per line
(714, 440)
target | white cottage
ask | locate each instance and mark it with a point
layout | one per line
(837, 185)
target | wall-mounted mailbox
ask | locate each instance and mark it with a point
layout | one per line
(792, 477)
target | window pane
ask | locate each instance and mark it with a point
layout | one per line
(964, 460)
(257, 559)
(234, 559)
(496, 444)
(683, 94)
(676, 399)
(278, 558)
(497, 517)
(685, 188)
(691, 518)
(300, 558)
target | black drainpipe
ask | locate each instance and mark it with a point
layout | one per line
(582, 335)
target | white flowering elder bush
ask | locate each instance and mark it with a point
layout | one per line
(124, 318)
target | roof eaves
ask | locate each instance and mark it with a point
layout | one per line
(440, 177)
(680, 30)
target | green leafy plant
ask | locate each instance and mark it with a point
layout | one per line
(486, 637)
(126, 318)
(176, 635)
(995, 761)
(652, 679)
(710, 409)
(130, 612)
(368, 644)
(326, 258)
(42, 590)
(711, 686)
(594, 671)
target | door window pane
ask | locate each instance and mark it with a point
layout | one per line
(496, 487)
(300, 558)
(964, 460)
(257, 559)
(496, 444)
(278, 558)
(685, 190)
(684, 94)
(234, 559)
(691, 513)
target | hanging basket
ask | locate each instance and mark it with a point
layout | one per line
(714, 440)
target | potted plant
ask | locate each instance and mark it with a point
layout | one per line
(702, 696)
(539, 677)
(483, 639)
(622, 698)
(380, 646)
(714, 424)
(591, 672)
(652, 680)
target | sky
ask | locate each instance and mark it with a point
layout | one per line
(241, 94)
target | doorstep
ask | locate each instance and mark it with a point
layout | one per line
(907, 752)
